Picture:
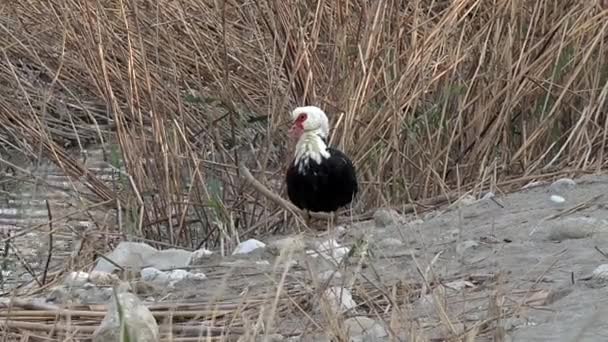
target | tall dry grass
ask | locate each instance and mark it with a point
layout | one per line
(426, 96)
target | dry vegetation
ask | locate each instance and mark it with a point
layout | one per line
(428, 97)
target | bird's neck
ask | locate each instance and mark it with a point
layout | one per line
(311, 145)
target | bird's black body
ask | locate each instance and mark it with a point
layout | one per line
(323, 187)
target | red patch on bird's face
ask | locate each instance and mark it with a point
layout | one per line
(297, 128)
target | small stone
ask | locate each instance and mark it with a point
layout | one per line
(137, 255)
(332, 251)
(248, 246)
(386, 217)
(340, 299)
(599, 277)
(199, 256)
(103, 278)
(137, 318)
(363, 329)
(151, 274)
(557, 199)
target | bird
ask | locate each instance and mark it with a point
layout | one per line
(319, 178)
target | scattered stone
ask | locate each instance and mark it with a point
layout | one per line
(556, 199)
(248, 246)
(386, 217)
(103, 278)
(137, 319)
(340, 299)
(330, 250)
(199, 256)
(364, 329)
(170, 278)
(562, 185)
(599, 277)
(137, 255)
(575, 228)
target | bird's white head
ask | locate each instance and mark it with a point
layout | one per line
(309, 119)
(310, 128)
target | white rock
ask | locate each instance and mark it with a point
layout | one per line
(557, 199)
(599, 276)
(340, 299)
(198, 256)
(331, 250)
(176, 275)
(76, 279)
(137, 255)
(151, 274)
(137, 318)
(248, 246)
(364, 329)
(103, 278)
(169, 278)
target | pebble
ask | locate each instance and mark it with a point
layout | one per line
(248, 246)
(557, 199)
(199, 256)
(599, 277)
(363, 329)
(331, 250)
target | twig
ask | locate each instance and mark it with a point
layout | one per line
(49, 256)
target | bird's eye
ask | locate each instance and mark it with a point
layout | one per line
(302, 117)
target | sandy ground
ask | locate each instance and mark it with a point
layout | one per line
(519, 262)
